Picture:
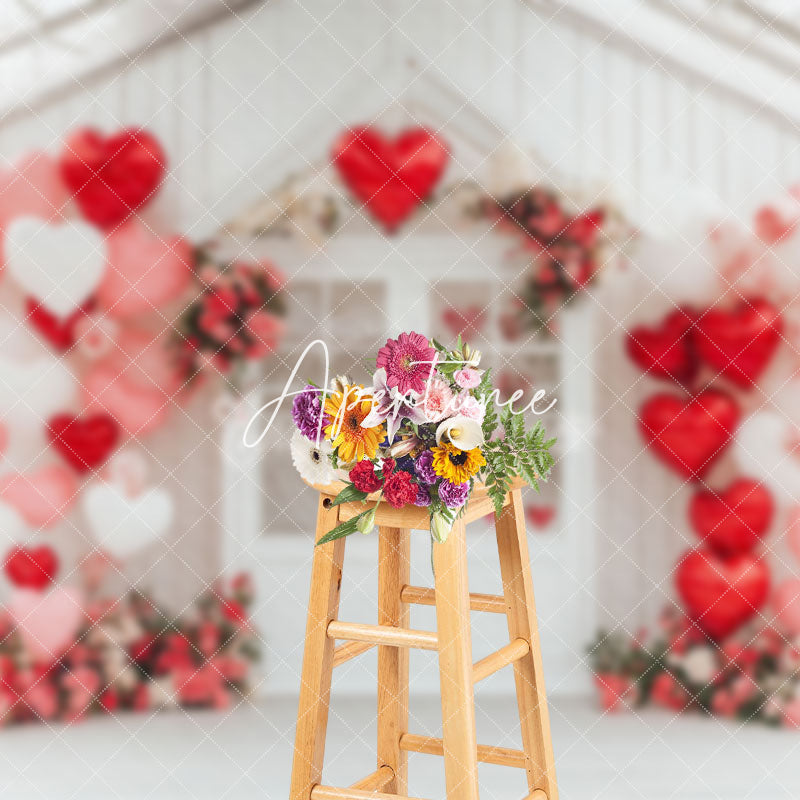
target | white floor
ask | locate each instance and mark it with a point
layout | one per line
(246, 754)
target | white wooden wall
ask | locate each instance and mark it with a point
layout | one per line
(607, 105)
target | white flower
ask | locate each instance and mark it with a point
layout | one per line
(313, 463)
(462, 432)
(700, 665)
(440, 528)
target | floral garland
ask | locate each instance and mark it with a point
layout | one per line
(565, 249)
(421, 435)
(130, 655)
(234, 319)
(751, 675)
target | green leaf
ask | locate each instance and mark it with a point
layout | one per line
(348, 495)
(344, 529)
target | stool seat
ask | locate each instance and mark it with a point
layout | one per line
(417, 519)
(451, 642)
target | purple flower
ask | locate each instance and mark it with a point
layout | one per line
(307, 410)
(423, 496)
(454, 495)
(423, 466)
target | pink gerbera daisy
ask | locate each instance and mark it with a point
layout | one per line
(404, 360)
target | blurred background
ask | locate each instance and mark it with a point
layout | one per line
(600, 197)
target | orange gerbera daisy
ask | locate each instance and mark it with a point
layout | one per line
(347, 410)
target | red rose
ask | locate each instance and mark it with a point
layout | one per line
(399, 490)
(364, 478)
(234, 612)
(668, 693)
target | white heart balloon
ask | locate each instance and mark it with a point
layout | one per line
(59, 265)
(768, 447)
(13, 529)
(122, 525)
(32, 391)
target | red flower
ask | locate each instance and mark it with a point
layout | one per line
(208, 638)
(399, 490)
(387, 467)
(364, 478)
(109, 700)
(141, 697)
(234, 612)
(616, 691)
(142, 648)
(667, 692)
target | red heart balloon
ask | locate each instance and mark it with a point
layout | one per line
(733, 520)
(32, 568)
(391, 177)
(540, 516)
(58, 331)
(721, 594)
(741, 342)
(110, 177)
(84, 443)
(665, 351)
(689, 433)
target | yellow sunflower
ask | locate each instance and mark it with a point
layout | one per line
(457, 466)
(347, 409)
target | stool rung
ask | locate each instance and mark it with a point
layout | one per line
(477, 602)
(332, 793)
(376, 782)
(343, 653)
(383, 635)
(503, 756)
(538, 794)
(512, 652)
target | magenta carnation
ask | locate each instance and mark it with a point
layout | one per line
(404, 360)
(307, 410)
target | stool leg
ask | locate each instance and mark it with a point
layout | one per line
(455, 666)
(512, 545)
(315, 688)
(393, 574)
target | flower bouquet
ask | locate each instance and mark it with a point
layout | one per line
(424, 433)
(235, 318)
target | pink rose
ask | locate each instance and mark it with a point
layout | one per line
(468, 378)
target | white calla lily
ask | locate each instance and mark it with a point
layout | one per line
(462, 432)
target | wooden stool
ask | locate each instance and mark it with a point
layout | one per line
(392, 636)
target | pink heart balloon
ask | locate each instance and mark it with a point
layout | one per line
(138, 410)
(47, 621)
(786, 603)
(32, 187)
(146, 362)
(42, 497)
(144, 271)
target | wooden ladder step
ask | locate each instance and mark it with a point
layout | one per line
(343, 653)
(376, 782)
(512, 652)
(383, 635)
(332, 793)
(420, 596)
(503, 756)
